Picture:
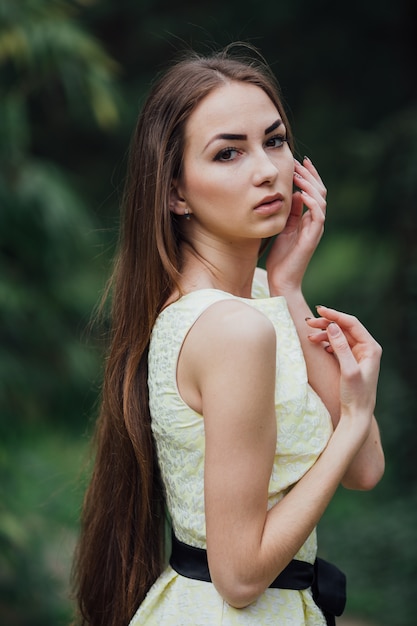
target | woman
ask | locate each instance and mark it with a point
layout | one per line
(224, 398)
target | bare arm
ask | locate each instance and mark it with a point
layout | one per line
(286, 266)
(247, 545)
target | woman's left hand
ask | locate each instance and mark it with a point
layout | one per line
(292, 250)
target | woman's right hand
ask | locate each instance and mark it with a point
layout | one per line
(358, 355)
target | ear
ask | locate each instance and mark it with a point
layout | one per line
(177, 204)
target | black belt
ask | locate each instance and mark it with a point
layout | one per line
(328, 583)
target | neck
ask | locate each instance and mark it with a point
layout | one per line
(227, 267)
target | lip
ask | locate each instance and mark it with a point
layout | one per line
(270, 204)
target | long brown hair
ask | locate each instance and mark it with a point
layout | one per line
(121, 547)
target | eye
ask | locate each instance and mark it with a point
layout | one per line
(277, 141)
(227, 154)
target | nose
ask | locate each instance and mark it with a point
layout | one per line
(265, 169)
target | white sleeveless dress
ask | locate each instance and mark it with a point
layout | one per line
(303, 430)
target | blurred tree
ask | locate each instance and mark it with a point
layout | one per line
(54, 76)
(50, 69)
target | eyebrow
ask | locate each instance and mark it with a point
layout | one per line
(273, 126)
(236, 137)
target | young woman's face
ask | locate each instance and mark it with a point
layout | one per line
(237, 177)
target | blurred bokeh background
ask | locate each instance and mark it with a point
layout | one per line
(72, 77)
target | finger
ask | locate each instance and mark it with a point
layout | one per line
(360, 340)
(296, 206)
(308, 172)
(320, 338)
(310, 189)
(320, 323)
(314, 194)
(316, 176)
(349, 323)
(316, 207)
(308, 164)
(341, 348)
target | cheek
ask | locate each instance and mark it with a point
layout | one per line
(289, 164)
(203, 187)
(287, 172)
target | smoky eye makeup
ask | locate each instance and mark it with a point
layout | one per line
(226, 154)
(277, 140)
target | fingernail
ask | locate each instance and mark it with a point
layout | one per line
(333, 329)
(318, 306)
(305, 158)
(307, 318)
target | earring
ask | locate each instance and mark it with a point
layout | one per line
(187, 213)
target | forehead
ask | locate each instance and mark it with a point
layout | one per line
(231, 108)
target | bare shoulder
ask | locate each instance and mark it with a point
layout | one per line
(226, 334)
(233, 322)
(230, 345)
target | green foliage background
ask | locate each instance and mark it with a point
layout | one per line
(72, 77)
